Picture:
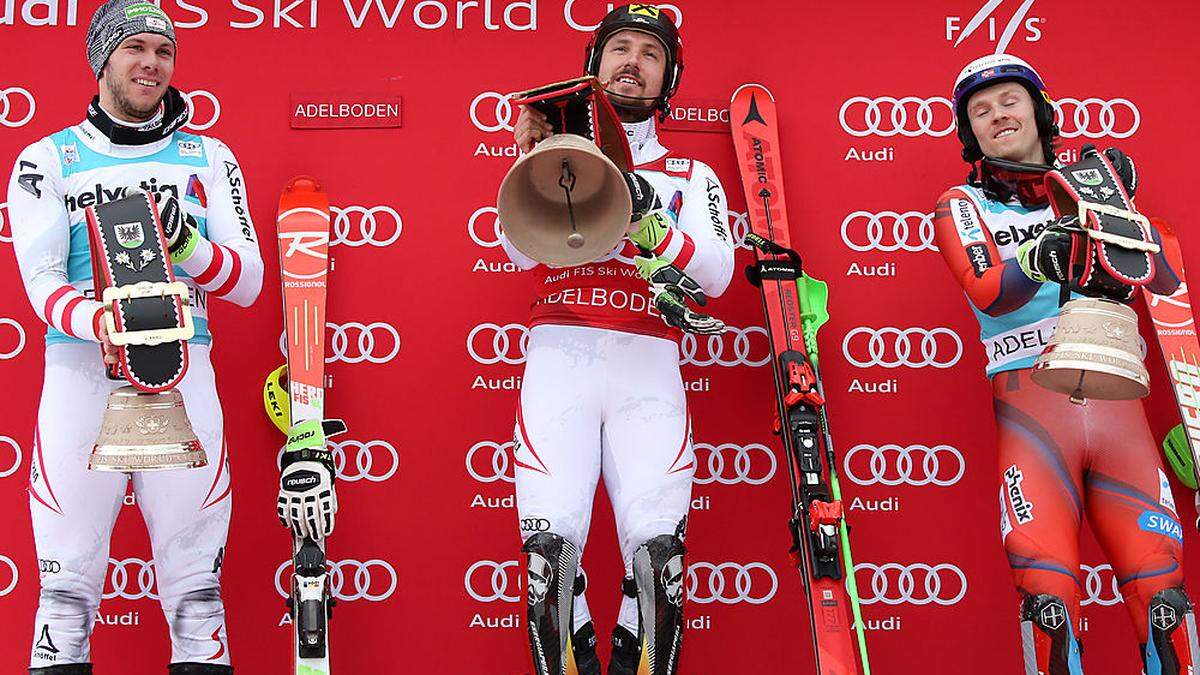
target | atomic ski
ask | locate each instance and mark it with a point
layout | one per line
(303, 228)
(1175, 327)
(795, 306)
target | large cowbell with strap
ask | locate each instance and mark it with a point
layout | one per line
(145, 426)
(1094, 352)
(566, 202)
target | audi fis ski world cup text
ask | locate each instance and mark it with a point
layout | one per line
(429, 15)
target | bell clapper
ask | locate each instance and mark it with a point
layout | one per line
(567, 183)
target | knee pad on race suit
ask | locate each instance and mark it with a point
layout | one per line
(191, 668)
(1048, 638)
(1171, 648)
(64, 669)
(553, 564)
(658, 578)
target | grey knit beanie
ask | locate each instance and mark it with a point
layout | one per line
(116, 20)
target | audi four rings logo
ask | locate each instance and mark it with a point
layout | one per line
(490, 343)
(891, 347)
(917, 584)
(371, 580)
(13, 572)
(887, 116)
(912, 116)
(734, 347)
(354, 342)
(893, 465)
(16, 107)
(366, 225)
(5, 238)
(374, 461)
(1097, 118)
(491, 581)
(491, 112)
(888, 231)
(730, 464)
(488, 462)
(204, 115)
(16, 453)
(730, 583)
(1100, 586)
(18, 345)
(130, 579)
(489, 237)
(739, 227)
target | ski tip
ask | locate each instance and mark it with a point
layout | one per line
(755, 85)
(303, 184)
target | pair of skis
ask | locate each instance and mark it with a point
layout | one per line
(303, 230)
(795, 306)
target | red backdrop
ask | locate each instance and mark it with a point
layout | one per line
(427, 540)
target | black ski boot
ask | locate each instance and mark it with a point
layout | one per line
(65, 669)
(626, 652)
(584, 642)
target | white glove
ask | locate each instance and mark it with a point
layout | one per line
(307, 499)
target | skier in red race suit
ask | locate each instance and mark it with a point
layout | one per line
(1057, 460)
(602, 394)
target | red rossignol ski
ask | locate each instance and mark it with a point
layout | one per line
(795, 308)
(1175, 327)
(303, 229)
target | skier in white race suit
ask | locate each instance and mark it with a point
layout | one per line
(602, 393)
(130, 137)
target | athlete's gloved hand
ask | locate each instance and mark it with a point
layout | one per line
(642, 194)
(1126, 170)
(1048, 257)
(179, 228)
(670, 288)
(651, 230)
(307, 499)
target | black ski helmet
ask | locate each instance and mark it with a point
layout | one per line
(647, 19)
(994, 69)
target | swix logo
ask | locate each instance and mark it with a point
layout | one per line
(99, 194)
(985, 22)
(1018, 235)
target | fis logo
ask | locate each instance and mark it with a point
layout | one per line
(1021, 506)
(1001, 32)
